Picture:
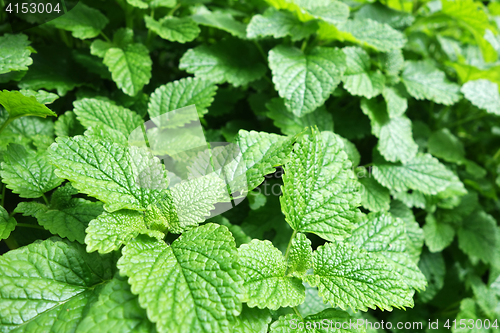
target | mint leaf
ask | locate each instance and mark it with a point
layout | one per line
(423, 173)
(27, 173)
(109, 231)
(483, 94)
(280, 24)
(121, 177)
(222, 62)
(433, 267)
(70, 219)
(318, 164)
(477, 236)
(84, 22)
(317, 323)
(374, 196)
(424, 81)
(179, 94)
(43, 298)
(386, 236)
(31, 208)
(68, 125)
(41, 96)
(174, 29)
(251, 320)
(266, 285)
(18, 105)
(177, 285)
(300, 255)
(219, 20)
(261, 153)
(290, 124)
(445, 145)
(96, 112)
(14, 53)
(305, 81)
(396, 103)
(333, 12)
(437, 235)
(7, 224)
(358, 78)
(351, 277)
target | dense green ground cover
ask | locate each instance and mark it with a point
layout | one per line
(368, 142)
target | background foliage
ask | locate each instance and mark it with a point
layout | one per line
(380, 117)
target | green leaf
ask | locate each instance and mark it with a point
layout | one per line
(437, 235)
(67, 125)
(423, 173)
(130, 67)
(424, 81)
(320, 191)
(71, 219)
(261, 153)
(414, 232)
(385, 236)
(333, 12)
(84, 22)
(433, 267)
(7, 224)
(95, 112)
(14, 53)
(477, 236)
(121, 177)
(350, 277)
(219, 20)
(483, 94)
(290, 124)
(31, 208)
(323, 322)
(62, 281)
(109, 231)
(189, 285)
(280, 24)
(18, 105)
(396, 103)
(300, 256)
(41, 96)
(374, 197)
(116, 310)
(174, 29)
(252, 320)
(378, 12)
(188, 204)
(445, 145)
(179, 94)
(27, 173)
(266, 285)
(358, 79)
(305, 81)
(223, 62)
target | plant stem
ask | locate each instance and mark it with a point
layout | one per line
(172, 11)
(45, 199)
(33, 226)
(3, 194)
(297, 312)
(105, 37)
(11, 243)
(290, 245)
(261, 51)
(7, 122)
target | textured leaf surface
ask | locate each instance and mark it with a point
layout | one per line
(359, 79)
(478, 236)
(67, 125)
(374, 197)
(437, 235)
(220, 20)
(45, 301)
(94, 112)
(261, 153)
(179, 94)
(174, 29)
(266, 284)
(350, 277)
(130, 67)
(14, 53)
(423, 173)
(27, 173)
(317, 323)
(7, 224)
(83, 21)
(445, 145)
(333, 12)
(424, 81)
(484, 94)
(41, 96)
(382, 234)
(300, 256)
(223, 62)
(252, 320)
(280, 24)
(305, 81)
(433, 267)
(290, 124)
(188, 286)
(18, 105)
(121, 177)
(320, 192)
